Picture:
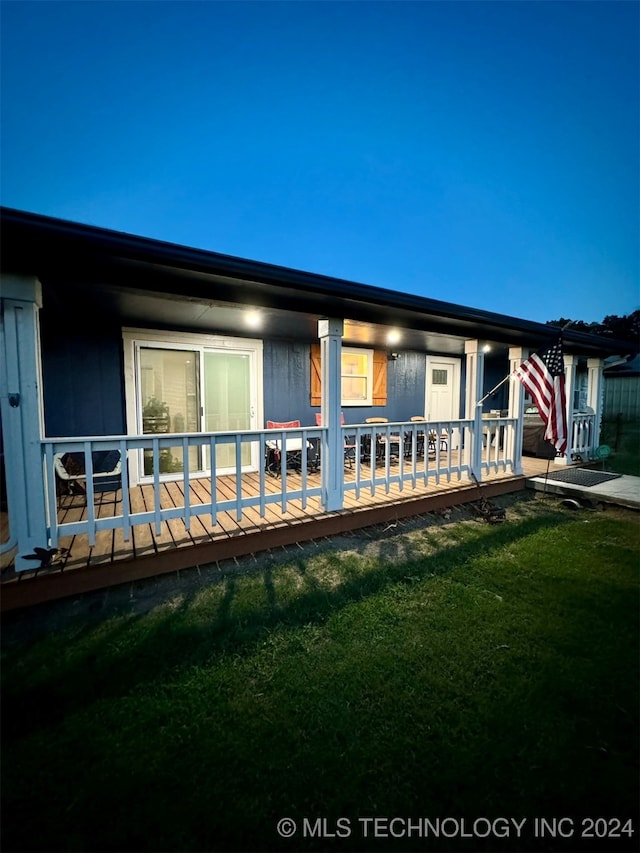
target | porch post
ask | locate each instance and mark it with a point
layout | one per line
(595, 389)
(20, 403)
(473, 393)
(516, 409)
(332, 457)
(570, 366)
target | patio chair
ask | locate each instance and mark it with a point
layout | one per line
(349, 440)
(433, 439)
(381, 441)
(294, 449)
(408, 439)
(71, 475)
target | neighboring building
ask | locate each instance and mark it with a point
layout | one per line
(622, 390)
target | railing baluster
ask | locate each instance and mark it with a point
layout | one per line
(186, 485)
(52, 496)
(283, 469)
(358, 461)
(156, 486)
(262, 473)
(124, 484)
(303, 468)
(238, 458)
(214, 487)
(91, 509)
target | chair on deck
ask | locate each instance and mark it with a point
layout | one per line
(71, 475)
(381, 441)
(432, 437)
(273, 461)
(349, 440)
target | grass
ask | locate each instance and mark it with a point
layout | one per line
(454, 671)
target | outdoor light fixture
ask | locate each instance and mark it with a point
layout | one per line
(253, 319)
(486, 348)
(393, 337)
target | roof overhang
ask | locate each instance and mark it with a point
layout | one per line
(141, 280)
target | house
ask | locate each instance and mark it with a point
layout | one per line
(169, 361)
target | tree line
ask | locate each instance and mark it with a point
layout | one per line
(626, 328)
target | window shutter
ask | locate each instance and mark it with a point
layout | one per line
(379, 396)
(316, 374)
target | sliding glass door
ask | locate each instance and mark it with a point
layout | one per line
(227, 400)
(192, 384)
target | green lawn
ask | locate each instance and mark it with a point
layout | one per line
(459, 671)
(623, 438)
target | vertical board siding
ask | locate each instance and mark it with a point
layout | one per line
(286, 382)
(622, 397)
(82, 377)
(495, 369)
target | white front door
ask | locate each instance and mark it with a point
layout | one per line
(442, 393)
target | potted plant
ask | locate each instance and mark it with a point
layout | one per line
(155, 416)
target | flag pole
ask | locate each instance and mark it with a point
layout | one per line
(493, 390)
(509, 375)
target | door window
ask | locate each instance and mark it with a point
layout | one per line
(170, 402)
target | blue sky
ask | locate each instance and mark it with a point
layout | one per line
(482, 153)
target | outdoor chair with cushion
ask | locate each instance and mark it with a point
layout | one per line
(294, 450)
(349, 441)
(71, 475)
(381, 441)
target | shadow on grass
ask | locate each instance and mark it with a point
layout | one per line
(531, 713)
(139, 649)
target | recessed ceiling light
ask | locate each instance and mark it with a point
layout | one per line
(253, 319)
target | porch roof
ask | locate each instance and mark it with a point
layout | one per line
(142, 281)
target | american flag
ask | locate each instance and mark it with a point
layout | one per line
(542, 374)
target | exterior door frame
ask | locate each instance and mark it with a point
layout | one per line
(455, 362)
(132, 338)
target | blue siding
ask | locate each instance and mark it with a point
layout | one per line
(495, 369)
(82, 379)
(287, 383)
(84, 385)
(287, 386)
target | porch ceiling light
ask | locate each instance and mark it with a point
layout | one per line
(253, 319)
(393, 337)
(486, 348)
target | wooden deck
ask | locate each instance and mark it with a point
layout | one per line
(112, 560)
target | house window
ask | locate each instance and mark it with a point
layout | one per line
(357, 376)
(363, 376)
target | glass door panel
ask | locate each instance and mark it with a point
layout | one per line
(227, 401)
(170, 402)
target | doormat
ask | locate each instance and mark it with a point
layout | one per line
(582, 477)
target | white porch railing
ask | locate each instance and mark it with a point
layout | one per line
(416, 458)
(385, 454)
(156, 443)
(582, 436)
(499, 448)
